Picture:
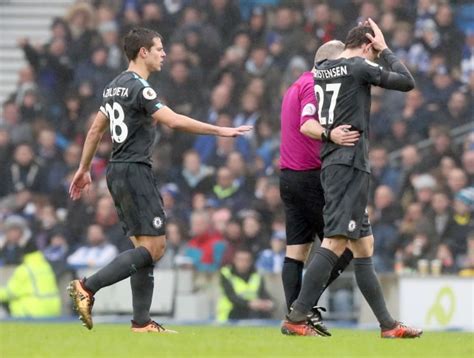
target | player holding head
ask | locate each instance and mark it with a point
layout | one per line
(131, 110)
(300, 183)
(343, 92)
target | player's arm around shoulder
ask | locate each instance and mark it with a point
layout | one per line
(171, 119)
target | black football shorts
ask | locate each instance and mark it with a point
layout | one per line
(137, 199)
(346, 192)
(303, 202)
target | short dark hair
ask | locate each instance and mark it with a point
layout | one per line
(357, 36)
(136, 39)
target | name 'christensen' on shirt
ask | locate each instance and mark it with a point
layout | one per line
(331, 73)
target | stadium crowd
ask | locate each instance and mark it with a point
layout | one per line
(229, 62)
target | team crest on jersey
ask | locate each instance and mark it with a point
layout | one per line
(149, 93)
(352, 226)
(157, 222)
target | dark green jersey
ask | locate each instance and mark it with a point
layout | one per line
(128, 102)
(343, 91)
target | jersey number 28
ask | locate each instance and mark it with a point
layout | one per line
(330, 87)
(118, 128)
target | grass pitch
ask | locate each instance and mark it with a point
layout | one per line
(114, 340)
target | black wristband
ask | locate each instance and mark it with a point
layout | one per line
(326, 135)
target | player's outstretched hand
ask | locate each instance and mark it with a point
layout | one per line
(378, 40)
(80, 182)
(234, 132)
(342, 135)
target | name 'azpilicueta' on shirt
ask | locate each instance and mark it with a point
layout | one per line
(116, 91)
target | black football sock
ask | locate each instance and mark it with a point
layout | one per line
(369, 285)
(315, 279)
(142, 283)
(123, 266)
(292, 275)
(341, 264)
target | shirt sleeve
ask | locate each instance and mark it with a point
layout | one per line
(308, 102)
(370, 72)
(103, 107)
(149, 101)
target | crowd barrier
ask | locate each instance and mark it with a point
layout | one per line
(431, 302)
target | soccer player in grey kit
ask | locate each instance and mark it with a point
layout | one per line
(343, 91)
(131, 110)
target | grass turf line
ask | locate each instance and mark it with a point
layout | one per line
(110, 340)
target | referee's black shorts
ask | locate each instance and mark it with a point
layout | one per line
(346, 192)
(137, 199)
(303, 201)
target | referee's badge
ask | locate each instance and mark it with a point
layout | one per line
(149, 93)
(352, 226)
(157, 222)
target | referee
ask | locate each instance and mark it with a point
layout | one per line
(300, 184)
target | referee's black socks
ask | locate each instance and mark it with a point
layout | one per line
(315, 279)
(123, 266)
(292, 276)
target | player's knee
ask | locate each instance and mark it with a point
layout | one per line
(336, 245)
(158, 250)
(363, 247)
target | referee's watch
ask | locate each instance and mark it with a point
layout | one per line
(326, 135)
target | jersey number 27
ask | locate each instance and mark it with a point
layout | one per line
(118, 128)
(330, 87)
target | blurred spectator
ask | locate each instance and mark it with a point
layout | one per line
(441, 148)
(31, 291)
(458, 110)
(381, 172)
(215, 150)
(243, 291)
(15, 235)
(255, 236)
(451, 39)
(106, 216)
(233, 238)
(224, 15)
(271, 260)
(467, 63)
(194, 175)
(243, 177)
(180, 89)
(97, 251)
(226, 192)
(154, 17)
(206, 247)
(19, 131)
(171, 196)
(56, 253)
(96, 71)
(468, 165)
(457, 180)
(46, 225)
(110, 36)
(176, 239)
(53, 70)
(425, 186)
(24, 173)
(416, 114)
(80, 18)
(384, 218)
